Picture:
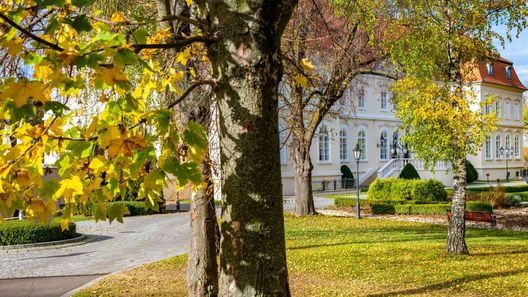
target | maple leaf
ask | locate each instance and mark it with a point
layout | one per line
(14, 46)
(110, 76)
(21, 92)
(126, 146)
(301, 80)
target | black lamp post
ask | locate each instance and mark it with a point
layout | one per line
(508, 151)
(357, 156)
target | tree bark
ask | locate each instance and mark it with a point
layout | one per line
(246, 65)
(456, 242)
(202, 270)
(302, 166)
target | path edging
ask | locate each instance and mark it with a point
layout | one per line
(69, 241)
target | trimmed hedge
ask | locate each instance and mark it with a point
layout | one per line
(439, 209)
(409, 172)
(471, 172)
(510, 189)
(398, 189)
(24, 232)
(136, 208)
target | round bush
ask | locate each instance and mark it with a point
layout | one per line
(409, 172)
(24, 232)
(403, 189)
(471, 172)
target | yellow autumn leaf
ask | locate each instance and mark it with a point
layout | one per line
(24, 90)
(14, 46)
(301, 80)
(184, 56)
(111, 133)
(91, 129)
(69, 188)
(118, 17)
(110, 76)
(126, 146)
(189, 2)
(306, 65)
(96, 164)
(65, 223)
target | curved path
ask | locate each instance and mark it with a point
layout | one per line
(110, 248)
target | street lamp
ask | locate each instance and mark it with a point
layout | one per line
(508, 151)
(357, 156)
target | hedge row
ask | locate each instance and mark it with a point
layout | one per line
(427, 209)
(370, 202)
(509, 189)
(398, 189)
(136, 208)
(24, 232)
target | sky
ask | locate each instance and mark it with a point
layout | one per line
(517, 52)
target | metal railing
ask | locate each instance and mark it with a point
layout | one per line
(332, 184)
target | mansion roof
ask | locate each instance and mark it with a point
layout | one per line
(498, 74)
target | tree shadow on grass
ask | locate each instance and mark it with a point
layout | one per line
(450, 284)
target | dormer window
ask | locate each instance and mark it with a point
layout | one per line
(507, 71)
(489, 67)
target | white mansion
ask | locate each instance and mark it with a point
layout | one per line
(374, 128)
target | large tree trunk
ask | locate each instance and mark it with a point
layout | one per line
(302, 166)
(246, 64)
(202, 270)
(456, 242)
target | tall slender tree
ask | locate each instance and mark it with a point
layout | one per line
(326, 47)
(438, 44)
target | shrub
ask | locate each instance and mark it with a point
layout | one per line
(439, 209)
(496, 197)
(471, 172)
(512, 200)
(402, 189)
(383, 209)
(409, 172)
(24, 232)
(136, 208)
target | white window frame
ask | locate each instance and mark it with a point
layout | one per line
(498, 144)
(498, 109)
(384, 101)
(507, 109)
(516, 109)
(384, 146)
(507, 142)
(343, 144)
(325, 134)
(488, 148)
(508, 72)
(489, 68)
(362, 102)
(517, 146)
(364, 147)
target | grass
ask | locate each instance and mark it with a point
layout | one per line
(330, 256)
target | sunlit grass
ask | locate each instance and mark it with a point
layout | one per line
(330, 256)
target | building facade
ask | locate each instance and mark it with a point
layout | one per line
(374, 128)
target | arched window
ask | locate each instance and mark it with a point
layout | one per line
(384, 145)
(362, 143)
(517, 147)
(343, 144)
(497, 147)
(488, 148)
(508, 147)
(324, 144)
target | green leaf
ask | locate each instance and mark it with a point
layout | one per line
(100, 212)
(116, 211)
(184, 172)
(140, 36)
(49, 188)
(56, 107)
(43, 3)
(82, 148)
(125, 57)
(81, 23)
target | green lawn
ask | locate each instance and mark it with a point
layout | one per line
(345, 257)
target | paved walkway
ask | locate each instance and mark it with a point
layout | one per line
(110, 248)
